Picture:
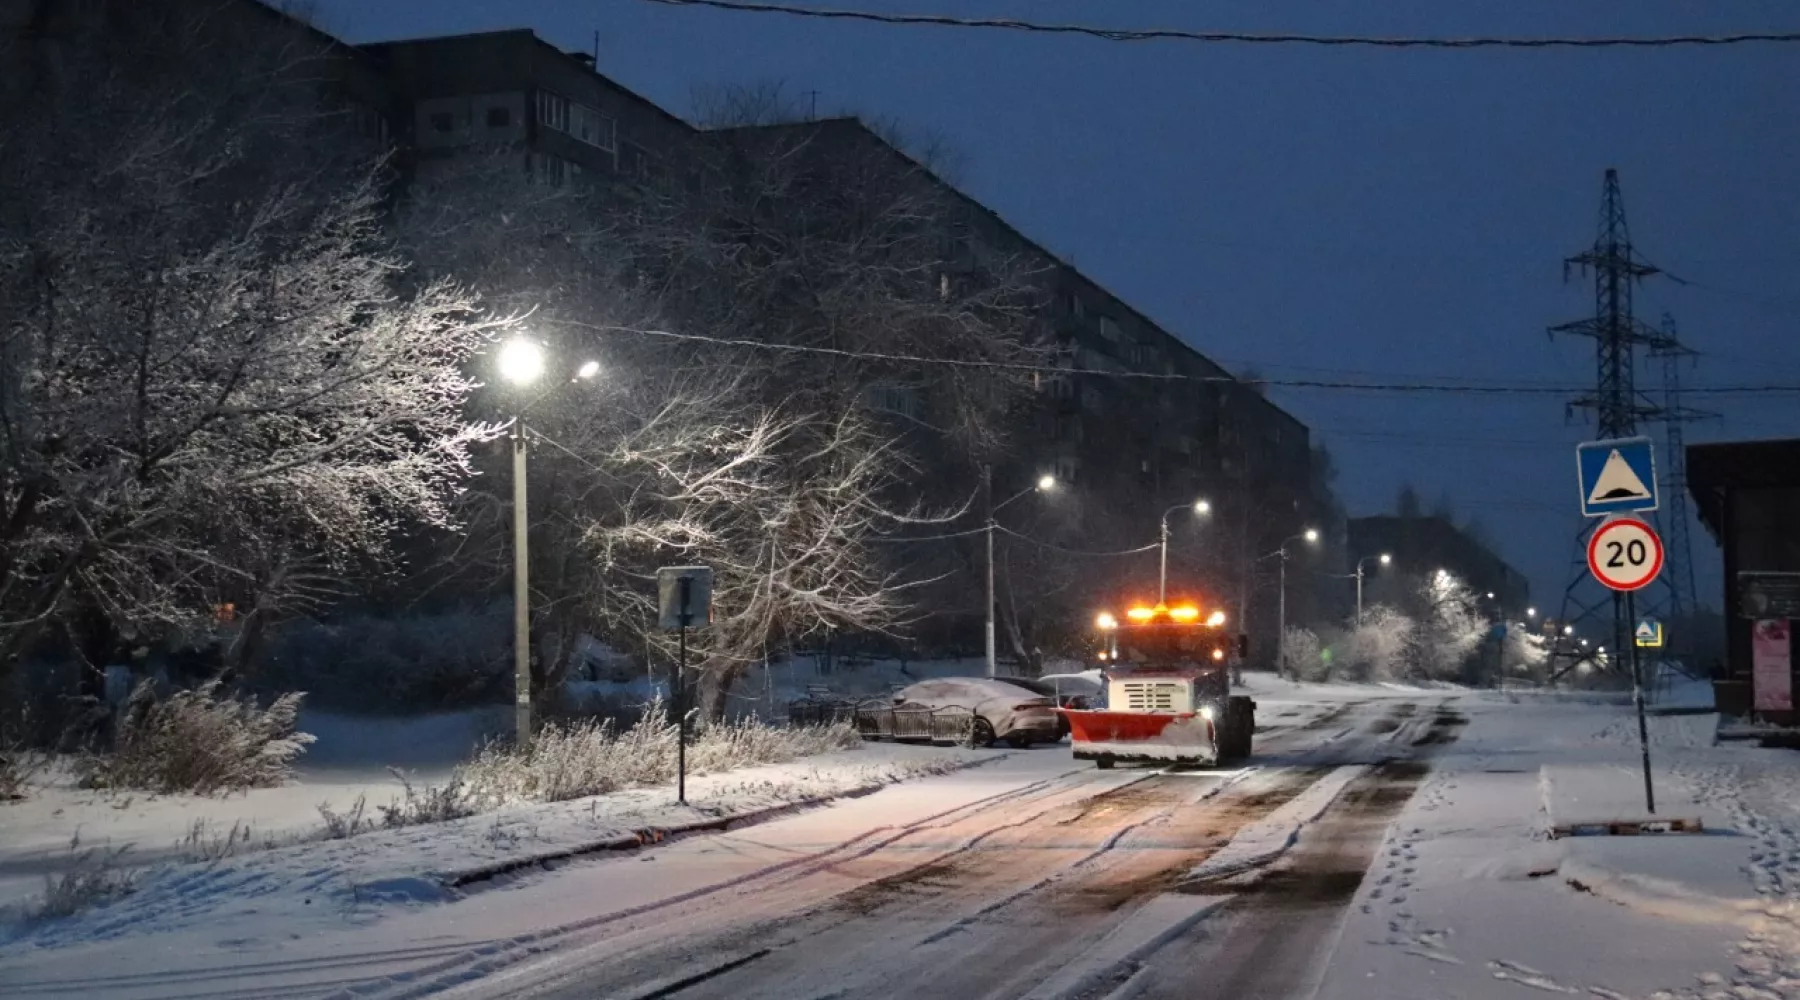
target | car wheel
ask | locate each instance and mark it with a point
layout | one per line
(1018, 742)
(982, 733)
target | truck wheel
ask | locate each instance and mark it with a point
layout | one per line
(1240, 724)
(1104, 763)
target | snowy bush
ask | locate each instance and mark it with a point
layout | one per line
(430, 804)
(199, 741)
(420, 663)
(1375, 648)
(93, 878)
(1302, 655)
(595, 757)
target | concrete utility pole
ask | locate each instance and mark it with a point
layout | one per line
(1201, 508)
(1044, 485)
(1310, 535)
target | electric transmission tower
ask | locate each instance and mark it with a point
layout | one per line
(1678, 568)
(1617, 404)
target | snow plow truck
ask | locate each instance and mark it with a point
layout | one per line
(1168, 691)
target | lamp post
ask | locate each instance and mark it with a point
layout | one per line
(1310, 535)
(1201, 508)
(521, 362)
(1385, 559)
(1043, 485)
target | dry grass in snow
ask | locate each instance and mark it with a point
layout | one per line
(200, 742)
(593, 758)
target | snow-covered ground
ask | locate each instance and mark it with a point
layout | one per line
(351, 759)
(1469, 896)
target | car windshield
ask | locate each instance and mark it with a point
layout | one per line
(1165, 643)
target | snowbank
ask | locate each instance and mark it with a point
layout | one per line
(292, 886)
(1470, 897)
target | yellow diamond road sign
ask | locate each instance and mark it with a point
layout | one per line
(1649, 634)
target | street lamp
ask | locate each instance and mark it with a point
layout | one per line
(1385, 559)
(1310, 535)
(1044, 484)
(1568, 630)
(1531, 612)
(521, 362)
(1200, 508)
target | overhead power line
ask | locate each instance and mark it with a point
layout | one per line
(1536, 389)
(1176, 34)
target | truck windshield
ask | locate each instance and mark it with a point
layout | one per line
(1164, 643)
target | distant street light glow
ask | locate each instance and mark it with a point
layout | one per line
(1046, 483)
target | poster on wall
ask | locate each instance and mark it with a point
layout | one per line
(1771, 667)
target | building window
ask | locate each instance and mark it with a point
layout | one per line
(592, 127)
(499, 117)
(1076, 308)
(371, 124)
(553, 170)
(443, 121)
(553, 110)
(895, 399)
(1109, 328)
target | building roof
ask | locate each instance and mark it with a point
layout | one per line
(1712, 469)
(580, 59)
(853, 124)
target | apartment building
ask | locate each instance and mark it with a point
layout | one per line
(513, 90)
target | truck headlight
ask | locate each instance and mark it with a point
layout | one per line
(1206, 712)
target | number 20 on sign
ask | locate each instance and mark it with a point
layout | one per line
(1625, 554)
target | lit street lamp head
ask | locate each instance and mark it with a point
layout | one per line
(1531, 612)
(588, 369)
(1046, 483)
(521, 361)
(1312, 534)
(1202, 507)
(1386, 559)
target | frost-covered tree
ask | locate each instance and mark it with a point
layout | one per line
(673, 453)
(1524, 654)
(1375, 648)
(1303, 655)
(214, 383)
(1450, 628)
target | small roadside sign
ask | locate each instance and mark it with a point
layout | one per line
(1625, 554)
(1649, 634)
(684, 597)
(1617, 476)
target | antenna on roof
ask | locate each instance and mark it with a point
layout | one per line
(596, 62)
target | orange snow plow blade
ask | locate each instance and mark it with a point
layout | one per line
(1180, 737)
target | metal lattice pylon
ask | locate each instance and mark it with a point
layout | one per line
(1616, 403)
(1678, 568)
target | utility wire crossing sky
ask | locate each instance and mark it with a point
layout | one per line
(1173, 34)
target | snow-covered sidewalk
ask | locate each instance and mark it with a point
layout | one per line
(1470, 897)
(364, 874)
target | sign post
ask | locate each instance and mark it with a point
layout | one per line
(684, 599)
(1625, 554)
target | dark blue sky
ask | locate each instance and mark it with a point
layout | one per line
(1315, 213)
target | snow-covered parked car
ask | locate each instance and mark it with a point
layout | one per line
(1077, 691)
(1003, 710)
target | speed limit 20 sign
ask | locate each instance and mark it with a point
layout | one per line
(1625, 554)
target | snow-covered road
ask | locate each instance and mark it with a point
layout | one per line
(1381, 844)
(1003, 897)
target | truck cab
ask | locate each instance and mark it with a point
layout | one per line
(1167, 672)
